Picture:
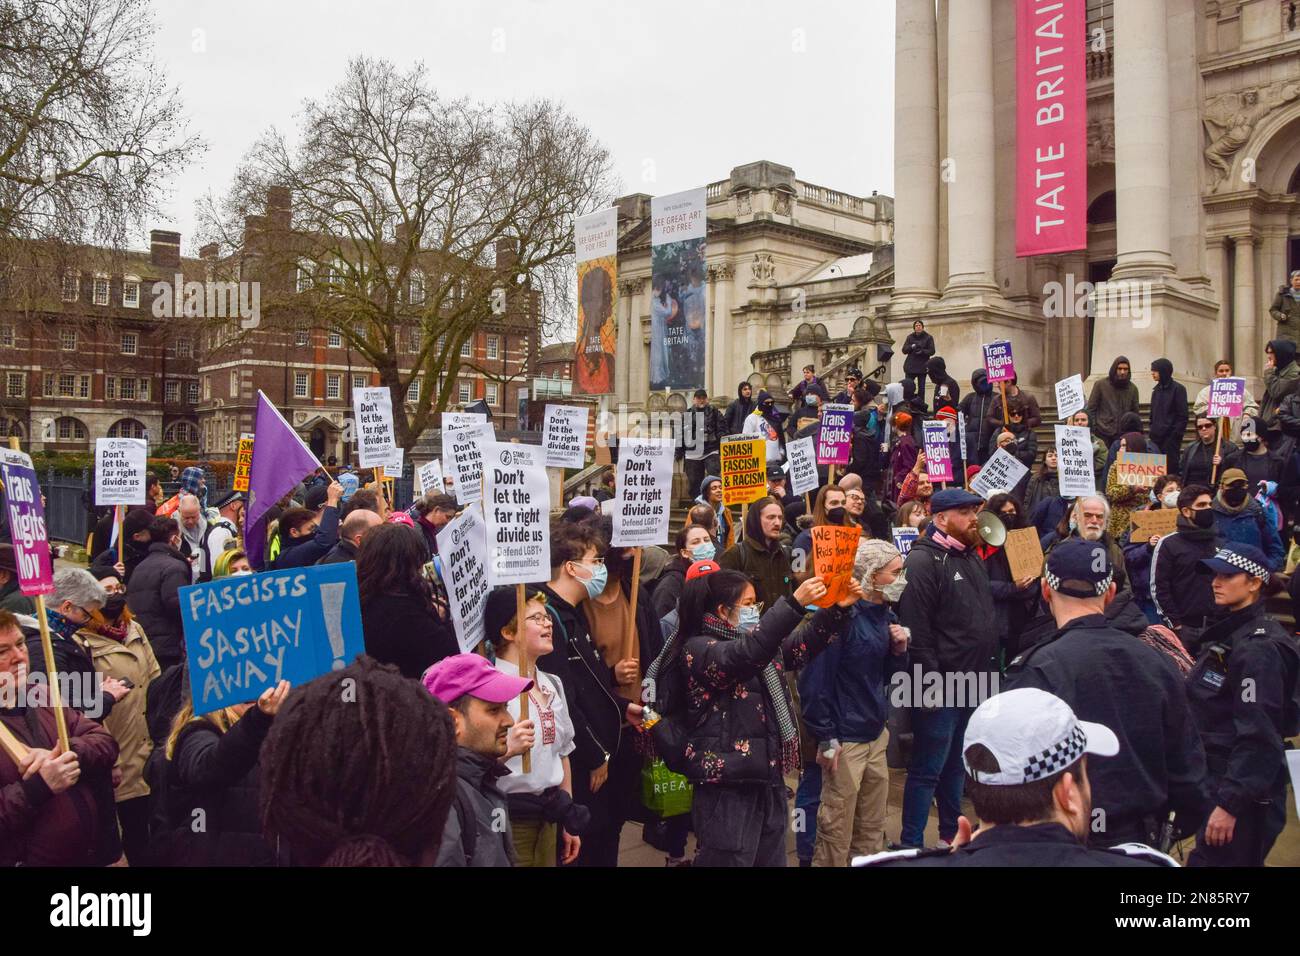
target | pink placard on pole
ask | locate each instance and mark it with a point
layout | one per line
(1227, 398)
(938, 455)
(998, 362)
(1051, 127)
(27, 524)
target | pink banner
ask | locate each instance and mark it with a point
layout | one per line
(1051, 127)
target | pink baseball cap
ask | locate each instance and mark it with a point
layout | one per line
(401, 517)
(462, 674)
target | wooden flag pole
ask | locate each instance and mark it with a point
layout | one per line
(807, 503)
(1002, 388)
(47, 646)
(1218, 438)
(629, 639)
(121, 545)
(525, 665)
(11, 745)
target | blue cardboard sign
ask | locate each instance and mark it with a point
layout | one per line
(243, 634)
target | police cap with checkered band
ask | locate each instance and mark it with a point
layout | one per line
(1236, 558)
(1032, 734)
(1079, 568)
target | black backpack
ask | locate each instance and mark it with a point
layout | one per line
(669, 701)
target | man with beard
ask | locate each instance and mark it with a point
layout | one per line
(1107, 677)
(947, 604)
(1110, 398)
(1183, 593)
(1087, 520)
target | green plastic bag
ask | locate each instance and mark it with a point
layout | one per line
(663, 792)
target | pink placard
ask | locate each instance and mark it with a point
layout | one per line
(1051, 127)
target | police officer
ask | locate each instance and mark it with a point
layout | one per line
(1109, 677)
(1026, 760)
(1242, 693)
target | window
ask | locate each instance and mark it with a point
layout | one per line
(6, 336)
(144, 389)
(192, 392)
(442, 343)
(101, 290)
(68, 340)
(184, 347)
(67, 386)
(333, 385)
(130, 343)
(10, 426)
(70, 429)
(491, 393)
(336, 340)
(491, 346)
(360, 381)
(304, 275)
(415, 287)
(131, 292)
(47, 387)
(300, 385)
(83, 387)
(110, 386)
(16, 385)
(171, 392)
(234, 383)
(71, 287)
(126, 428)
(302, 337)
(464, 396)
(207, 387)
(183, 433)
(413, 390)
(126, 389)
(466, 348)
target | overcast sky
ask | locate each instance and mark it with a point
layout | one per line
(679, 90)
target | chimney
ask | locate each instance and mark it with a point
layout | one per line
(208, 251)
(507, 254)
(164, 248)
(279, 206)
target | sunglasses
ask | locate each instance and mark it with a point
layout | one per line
(1201, 428)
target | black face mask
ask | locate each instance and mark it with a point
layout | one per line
(835, 515)
(1235, 497)
(114, 607)
(1203, 518)
(1251, 445)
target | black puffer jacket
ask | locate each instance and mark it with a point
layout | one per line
(976, 407)
(948, 605)
(154, 601)
(1181, 586)
(1168, 408)
(918, 347)
(732, 730)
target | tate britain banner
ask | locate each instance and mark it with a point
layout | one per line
(596, 241)
(678, 290)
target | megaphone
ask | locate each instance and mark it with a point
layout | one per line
(991, 529)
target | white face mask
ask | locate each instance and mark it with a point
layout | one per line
(894, 590)
(1170, 499)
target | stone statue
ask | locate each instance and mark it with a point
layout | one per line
(1231, 118)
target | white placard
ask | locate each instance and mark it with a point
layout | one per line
(596, 235)
(803, 465)
(1002, 472)
(1074, 461)
(395, 471)
(517, 512)
(642, 492)
(1069, 396)
(564, 436)
(961, 434)
(121, 466)
(678, 216)
(462, 545)
(429, 476)
(462, 459)
(454, 421)
(372, 409)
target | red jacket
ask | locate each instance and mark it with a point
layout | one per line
(38, 827)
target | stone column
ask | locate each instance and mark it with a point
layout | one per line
(1246, 359)
(1142, 140)
(972, 218)
(724, 385)
(916, 152)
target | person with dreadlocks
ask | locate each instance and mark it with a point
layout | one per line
(740, 725)
(382, 799)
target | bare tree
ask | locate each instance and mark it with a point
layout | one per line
(401, 205)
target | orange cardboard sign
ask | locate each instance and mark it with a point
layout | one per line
(834, 549)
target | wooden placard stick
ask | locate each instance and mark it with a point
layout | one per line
(1002, 388)
(525, 665)
(11, 745)
(1218, 439)
(121, 545)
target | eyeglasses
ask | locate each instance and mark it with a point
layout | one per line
(540, 618)
(1201, 428)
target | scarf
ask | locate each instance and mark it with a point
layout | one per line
(194, 536)
(715, 626)
(116, 631)
(60, 625)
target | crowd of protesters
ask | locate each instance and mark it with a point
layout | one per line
(728, 680)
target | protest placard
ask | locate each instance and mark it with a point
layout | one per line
(120, 471)
(833, 549)
(642, 492)
(1002, 472)
(462, 546)
(462, 459)
(1139, 470)
(1160, 521)
(998, 362)
(744, 469)
(565, 436)
(245, 634)
(454, 421)
(801, 456)
(938, 459)
(243, 463)
(395, 470)
(1074, 461)
(961, 435)
(1024, 553)
(1227, 397)
(27, 530)
(836, 435)
(376, 437)
(904, 538)
(517, 512)
(429, 476)
(1069, 396)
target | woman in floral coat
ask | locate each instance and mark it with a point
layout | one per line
(740, 723)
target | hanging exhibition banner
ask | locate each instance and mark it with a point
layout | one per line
(678, 290)
(596, 239)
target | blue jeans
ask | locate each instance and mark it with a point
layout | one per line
(808, 798)
(935, 772)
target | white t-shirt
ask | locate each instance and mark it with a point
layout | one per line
(552, 738)
(756, 424)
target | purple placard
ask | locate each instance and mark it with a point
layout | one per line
(27, 524)
(1227, 397)
(998, 362)
(836, 435)
(938, 460)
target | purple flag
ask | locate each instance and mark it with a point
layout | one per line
(280, 461)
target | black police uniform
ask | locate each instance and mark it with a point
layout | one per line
(1111, 678)
(1039, 844)
(1239, 691)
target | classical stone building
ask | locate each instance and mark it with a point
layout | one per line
(797, 274)
(1193, 182)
